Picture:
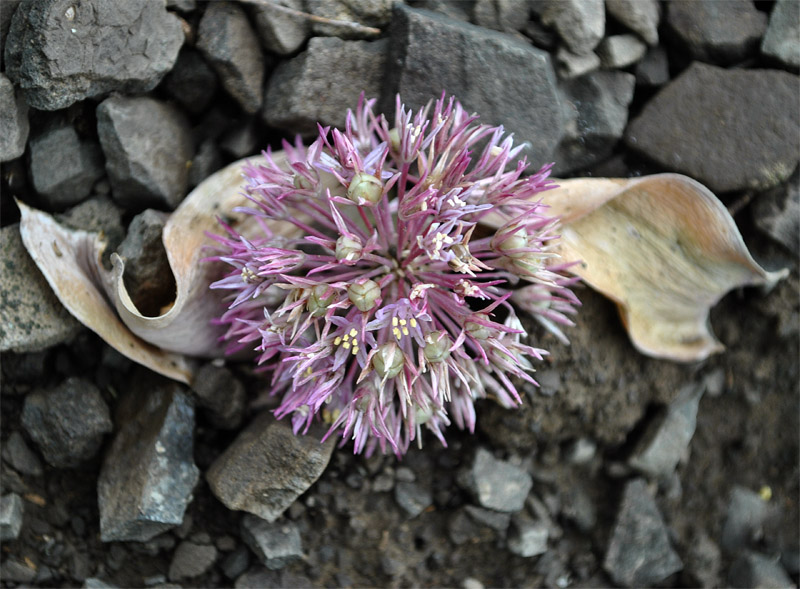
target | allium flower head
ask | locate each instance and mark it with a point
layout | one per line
(387, 309)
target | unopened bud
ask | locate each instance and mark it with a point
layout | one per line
(516, 241)
(477, 330)
(388, 360)
(348, 248)
(364, 294)
(301, 182)
(365, 188)
(437, 346)
(317, 303)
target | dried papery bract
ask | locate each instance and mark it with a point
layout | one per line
(386, 314)
(663, 247)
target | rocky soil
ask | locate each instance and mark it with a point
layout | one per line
(620, 471)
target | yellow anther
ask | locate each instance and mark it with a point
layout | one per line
(396, 333)
(394, 321)
(308, 371)
(337, 341)
(403, 322)
(413, 322)
(346, 337)
(346, 345)
(355, 350)
(405, 330)
(353, 332)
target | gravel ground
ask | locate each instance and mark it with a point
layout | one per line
(620, 471)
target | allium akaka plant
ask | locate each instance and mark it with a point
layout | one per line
(388, 309)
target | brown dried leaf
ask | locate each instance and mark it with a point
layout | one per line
(664, 248)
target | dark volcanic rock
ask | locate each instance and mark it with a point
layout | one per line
(60, 52)
(717, 32)
(229, 43)
(31, 317)
(13, 121)
(309, 88)
(148, 475)
(413, 498)
(18, 455)
(722, 128)
(68, 422)
(191, 82)
(64, 168)
(276, 544)
(503, 79)
(596, 111)
(147, 145)
(267, 467)
(221, 394)
(639, 553)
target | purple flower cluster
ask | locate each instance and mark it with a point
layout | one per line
(387, 307)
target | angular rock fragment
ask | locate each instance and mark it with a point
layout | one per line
(267, 467)
(221, 395)
(744, 522)
(148, 475)
(148, 147)
(497, 484)
(229, 43)
(571, 65)
(501, 15)
(281, 32)
(777, 214)
(349, 19)
(68, 422)
(756, 570)
(653, 69)
(527, 537)
(782, 40)
(276, 544)
(667, 438)
(59, 52)
(18, 455)
(11, 512)
(191, 560)
(717, 32)
(640, 16)
(580, 23)
(13, 121)
(63, 168)
(639, 553)
(191, 82)
(722, 128)
(31, 317)
(596, 112)
(504, 79)
(292, 98)
(620, 51)
(413, 498)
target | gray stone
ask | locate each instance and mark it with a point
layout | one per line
(363, 13)
(292, 99)
(67, 422)
(579, 23)
(59, 53)
(580, 451)
(191, 82)
(242, 140)
(717, 32)
(496, 520)
(721, 128)
(653, 69)
(667, 438)
(777, 214)
(595, 113)
(257, 577)
(640, 16)
(148, 475)
(22, 458)
(490, 73)
(13, 121)
(578, 506)
(95, 583)
(756, 570)
(497, 484)
(64, 168)
(235, 563)
(281, 32)
(703, 561)
(17, 571)
(744, 521)
(98, 214)
(221, 395)
(782, 40)
(206, 161)
(527, 537)
(571, 65)
(620, 51)
(231, 46)
(11, 512)
(148, 277)
(191, 560)
(267, 467)
(147, 145)
(413, 498)
(501, 15)
(639, 553)
(276, 544)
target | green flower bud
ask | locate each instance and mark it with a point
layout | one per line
(388, 360)
(364, 294)
(365, 188)
(437, 346)
(301, 182)
(317, 303)
(477, 330)
(348, 248)
(517, 240)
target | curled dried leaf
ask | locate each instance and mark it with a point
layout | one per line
(664, 248)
